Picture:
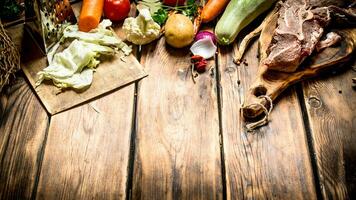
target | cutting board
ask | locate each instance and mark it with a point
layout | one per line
(269, 84)
(111, 74)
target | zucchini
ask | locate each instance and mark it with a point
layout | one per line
(238, 14)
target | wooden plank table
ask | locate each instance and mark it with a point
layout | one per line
(167, 137)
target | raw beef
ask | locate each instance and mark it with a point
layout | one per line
(299, 29)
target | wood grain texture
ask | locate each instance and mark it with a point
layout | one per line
(273, 161)
(177, 144)
(23, 125)
(331, 106)
(111, 74)
(273, 83)
(87, 151)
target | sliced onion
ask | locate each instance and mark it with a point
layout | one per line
(205, 34)
(204, 48)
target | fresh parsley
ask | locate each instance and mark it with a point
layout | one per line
(191, 9)
(160, 12)
(160, 16)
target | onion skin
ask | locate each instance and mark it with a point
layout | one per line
(206, 34)
(204, 47)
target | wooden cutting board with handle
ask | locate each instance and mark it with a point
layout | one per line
(272, 83)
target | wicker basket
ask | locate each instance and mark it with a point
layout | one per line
(9, 58)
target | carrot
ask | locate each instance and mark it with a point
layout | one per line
(212, 9)
(90, 14)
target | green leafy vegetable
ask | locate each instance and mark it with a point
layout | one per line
(67, 68)
(160, 16)
(160, 12)
(191, 9)
(74, 66)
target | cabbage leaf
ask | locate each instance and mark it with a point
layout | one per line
(75, 65)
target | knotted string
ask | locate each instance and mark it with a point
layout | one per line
(264, 120)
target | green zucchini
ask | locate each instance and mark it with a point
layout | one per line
(238, 14)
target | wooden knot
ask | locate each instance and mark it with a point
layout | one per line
(314, 102)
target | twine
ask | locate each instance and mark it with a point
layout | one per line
(9, 58)
(252, 126)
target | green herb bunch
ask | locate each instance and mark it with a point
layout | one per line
(160, 12)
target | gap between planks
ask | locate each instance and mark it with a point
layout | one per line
(16, 31)
(176, 172)
(41, 153)
(242, 148)
(25, 143)
(133, 135)
(311, 146)
(330, 103)
(130, 146)
(221, 136)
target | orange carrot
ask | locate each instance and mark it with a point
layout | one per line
(212, 9)
(90, 14)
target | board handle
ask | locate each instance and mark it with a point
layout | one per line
(264, 90)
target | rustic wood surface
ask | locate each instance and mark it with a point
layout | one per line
(331, 108)
(272, 83)
(99, 135)
(177, 141)
(87, 150)
(165, 137)
(23, 129)
(277, 153)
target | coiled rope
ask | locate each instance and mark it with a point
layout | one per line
(253, 125)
